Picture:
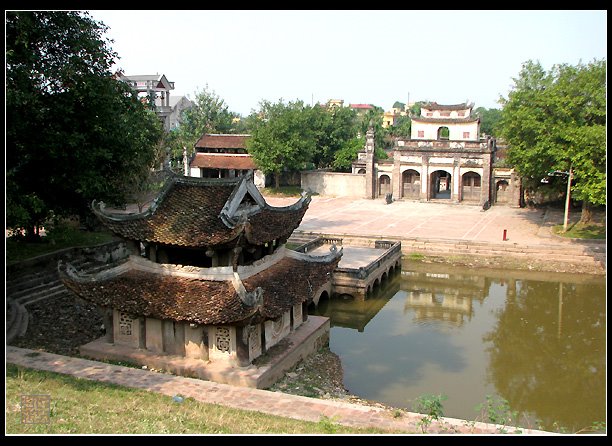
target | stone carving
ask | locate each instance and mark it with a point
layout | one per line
(223, 339)
(277, 327)
(125, 324)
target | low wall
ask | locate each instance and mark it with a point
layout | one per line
(108, 252)
(334, 183)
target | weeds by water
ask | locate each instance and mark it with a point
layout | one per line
(431, 407)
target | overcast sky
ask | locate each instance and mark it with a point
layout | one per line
(374, 57)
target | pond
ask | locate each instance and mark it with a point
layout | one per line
(535, 340)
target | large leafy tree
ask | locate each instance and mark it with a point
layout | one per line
(73, 132)
(343, 158)
(489, 119)
(282, 137)
(209, 114)
(556, 121)
(333, 128)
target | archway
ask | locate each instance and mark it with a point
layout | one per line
(361, 171)
(502, 191)
(440, 185)
(470, 186)
(443, 133)
(411, 184)
(384, 185)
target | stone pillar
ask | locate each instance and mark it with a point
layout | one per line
(107, 318)
(151, 252)
(370, 167)
(515, 184)
(396, 188)
(133, 247)
(142, 335)
(154, 340)
(185, 162)
(456, 181)
(425, 186)
(242, 347)
(485, 186)
(213, 256)
(296, 316)
(195, 347)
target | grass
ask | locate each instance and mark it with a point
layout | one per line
(283, 191)
(593, 231)
(80, 406)
(18, 249)
(415, 256)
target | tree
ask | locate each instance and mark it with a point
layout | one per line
(402, 127)
(374, 118)
(343, 158)
(489, 119)
(209, 114)
(556, 121)
(333, 128)
(282, 137)
(73, 132)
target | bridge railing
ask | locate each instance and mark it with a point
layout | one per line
(319, 241)
(364, 272)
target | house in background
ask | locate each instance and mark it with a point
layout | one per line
(153, 87)
(178, 104)
(361, 109)
(223, 156)
(391, 117)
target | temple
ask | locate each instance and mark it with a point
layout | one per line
(223, 156)
(208, 276)
(446, 159)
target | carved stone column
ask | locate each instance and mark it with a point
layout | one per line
(397, 177)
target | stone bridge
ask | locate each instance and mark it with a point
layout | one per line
(362, 269)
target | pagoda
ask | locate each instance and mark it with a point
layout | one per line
(208, 277)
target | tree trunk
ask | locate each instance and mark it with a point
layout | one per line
(586, 215)
(277, 180)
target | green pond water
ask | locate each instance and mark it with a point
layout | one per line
(536, 340)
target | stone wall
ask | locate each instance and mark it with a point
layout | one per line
(334, 183)
(111, 252)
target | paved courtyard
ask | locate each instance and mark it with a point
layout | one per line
(409, 219)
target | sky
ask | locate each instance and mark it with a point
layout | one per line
(360, 56)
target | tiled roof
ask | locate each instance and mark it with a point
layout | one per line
(271, 223)
(445, 120)
(220, 161)
(367, 106)
(284, 284)
(288, 282)
(187, 213)
(436, 106)
(222, 141)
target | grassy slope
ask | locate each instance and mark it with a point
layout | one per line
(81, 406)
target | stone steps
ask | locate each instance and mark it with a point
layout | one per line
(33, 285)
(42, 294)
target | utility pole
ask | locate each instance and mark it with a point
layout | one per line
(567, 199)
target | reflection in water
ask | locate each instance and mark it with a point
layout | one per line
(547, 352)
(345, 311)
(432, 299)
(533, 340)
